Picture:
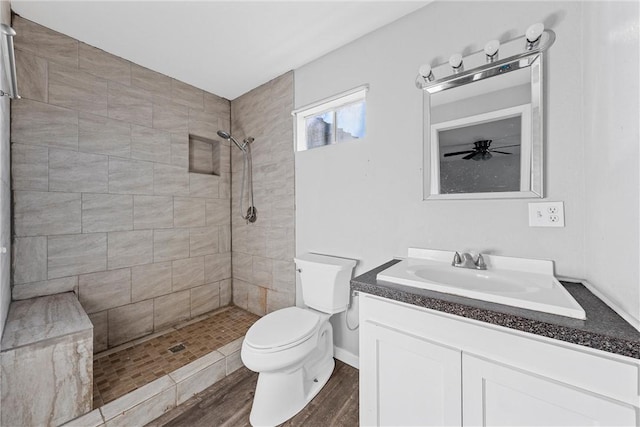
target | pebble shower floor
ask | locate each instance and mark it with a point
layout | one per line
(116, 373)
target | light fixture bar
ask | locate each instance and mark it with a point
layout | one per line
(519, 54)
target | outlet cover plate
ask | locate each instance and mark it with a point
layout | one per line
(546, 214)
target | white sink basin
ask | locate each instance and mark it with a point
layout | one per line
(517, 282)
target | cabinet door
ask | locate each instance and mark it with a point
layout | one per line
(500, 395)
(406, 380)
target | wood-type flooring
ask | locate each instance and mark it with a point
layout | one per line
(228, 403)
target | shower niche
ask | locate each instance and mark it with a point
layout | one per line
(204, 155)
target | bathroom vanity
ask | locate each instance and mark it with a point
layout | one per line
(430, 358)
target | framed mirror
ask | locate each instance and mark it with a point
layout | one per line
(483, 131)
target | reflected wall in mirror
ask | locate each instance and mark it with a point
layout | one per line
(483, 139)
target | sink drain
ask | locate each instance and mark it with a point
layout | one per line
(177, 348)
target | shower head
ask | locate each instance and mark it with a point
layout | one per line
(226, 135)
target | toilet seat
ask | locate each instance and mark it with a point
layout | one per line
(282, 329)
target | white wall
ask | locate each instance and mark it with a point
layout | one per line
(5, 189)
(364, 199)
(610, 55)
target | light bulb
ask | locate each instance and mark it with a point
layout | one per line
(426, 72)
(491, 48)
(534, 32)
(455, 61)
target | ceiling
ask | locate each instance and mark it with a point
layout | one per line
(226, 48)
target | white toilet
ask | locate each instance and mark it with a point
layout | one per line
(292, 348)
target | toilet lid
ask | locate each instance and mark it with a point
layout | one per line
(282, 327)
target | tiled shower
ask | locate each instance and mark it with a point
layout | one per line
(105, 204)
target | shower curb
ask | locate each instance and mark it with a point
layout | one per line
(150, 401)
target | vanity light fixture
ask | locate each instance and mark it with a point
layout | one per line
(533, 34)
(491, 50)
(496, 58)
(456, 63)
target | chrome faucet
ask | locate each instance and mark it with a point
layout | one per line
(465, 260)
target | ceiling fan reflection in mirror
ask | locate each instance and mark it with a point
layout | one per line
(481, 151)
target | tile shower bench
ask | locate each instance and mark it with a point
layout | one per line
(46, 355)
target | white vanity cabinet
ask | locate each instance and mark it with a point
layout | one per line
(424, 367)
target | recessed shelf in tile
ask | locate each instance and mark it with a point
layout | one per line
(204, 155)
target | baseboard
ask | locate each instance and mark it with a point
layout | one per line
(612, 305)
(346, 357)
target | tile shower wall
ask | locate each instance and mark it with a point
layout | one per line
(103, 201)
(263, 269)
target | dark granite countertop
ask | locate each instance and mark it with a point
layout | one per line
(603, 329)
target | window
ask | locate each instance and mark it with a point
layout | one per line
(340, 118)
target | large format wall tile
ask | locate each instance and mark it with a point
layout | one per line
(180, 150)
(152, 212)
(101, 135)
(100, 331)
(72, 88)
(205, 298)
(130, 322)
(218, 267)
(278, 300)
(29, 259)
(76, 254)
(225, 292)
(263, 278)
(171, 180)
(170, 244)
(36, 123)
(106, 289)
(106, 212)
(130, 104)
(203, 124)
(44, 288)
(218, 211)
(33, 82)
(221, 107)
(203, 241)
(188, 273)
(105, 205)
(130, 176)
(188, 212)
(170, 309)
(29, 167)
(77, 172)
(185, 94)
(129, 248)
(171, 118)
(150, 280)
(45, 43)
(103, 64)
(158, 84)
(150, 144)
(44, 214)
(201, 185)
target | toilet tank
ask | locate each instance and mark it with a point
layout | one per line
(325, 281)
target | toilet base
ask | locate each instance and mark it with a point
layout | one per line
(281, 395)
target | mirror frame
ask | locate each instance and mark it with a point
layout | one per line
(531, 60)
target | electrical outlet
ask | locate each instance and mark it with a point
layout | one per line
(546, 214)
